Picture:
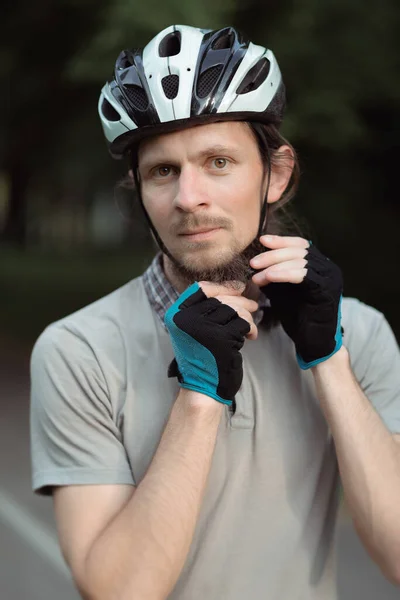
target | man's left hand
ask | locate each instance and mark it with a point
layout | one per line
(305, 289)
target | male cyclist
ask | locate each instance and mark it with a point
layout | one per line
(191, 426)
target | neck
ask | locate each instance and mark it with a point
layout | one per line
(178, 282)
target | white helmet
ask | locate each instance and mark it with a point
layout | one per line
(185, 76)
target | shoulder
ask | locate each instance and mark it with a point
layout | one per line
(95, 333)
(100, 319)
(375, 358)
(358, 318)
(367, 335)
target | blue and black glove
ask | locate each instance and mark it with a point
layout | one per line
(207, 337)
(310, 311)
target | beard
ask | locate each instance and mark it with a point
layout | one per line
(236, 269)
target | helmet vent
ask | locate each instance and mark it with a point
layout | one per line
(170, 45)
(255, 77)
(137, 96)
(224, 41)
(170, 85)
(207, 80)
(125, 60)
(109, 111)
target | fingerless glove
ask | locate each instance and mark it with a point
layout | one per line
(207, 337)
(310, 311)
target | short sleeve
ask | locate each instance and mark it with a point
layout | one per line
(375, 359)
(75, 437)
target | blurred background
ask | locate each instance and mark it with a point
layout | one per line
(68, 237)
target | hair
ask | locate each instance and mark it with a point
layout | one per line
(280, 217)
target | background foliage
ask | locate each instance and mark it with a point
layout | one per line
(63, 241)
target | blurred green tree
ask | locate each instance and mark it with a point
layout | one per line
(340, 61)
(125, 26)
(38, 40)
(53, 60)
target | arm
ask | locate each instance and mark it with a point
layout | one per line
(140, 553)
(369, 461)
(369, 458)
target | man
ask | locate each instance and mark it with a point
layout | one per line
(191, 426)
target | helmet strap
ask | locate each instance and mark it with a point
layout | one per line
(161, 245)
(264, 212)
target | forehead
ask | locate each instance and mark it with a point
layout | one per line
(236, 135)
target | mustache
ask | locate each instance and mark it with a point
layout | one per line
(189, 222)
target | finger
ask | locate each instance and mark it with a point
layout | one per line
(288, 276)
(221, 314)
(291, 272)
(299, 263)
(239, 302)
(246, 316)
(267, 259)
(234, 309)
(233, 288)
(281, 241)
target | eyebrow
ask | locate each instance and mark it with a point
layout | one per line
(215, 150)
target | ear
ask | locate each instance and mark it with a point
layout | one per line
(130, 174)
(281, 171)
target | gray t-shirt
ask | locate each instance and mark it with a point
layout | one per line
(100, 400)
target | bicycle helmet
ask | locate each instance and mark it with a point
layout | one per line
(185, 76)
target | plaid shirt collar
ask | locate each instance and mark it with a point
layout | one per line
(162, 294)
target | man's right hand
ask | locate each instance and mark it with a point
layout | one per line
(231, 294)
(207, 325)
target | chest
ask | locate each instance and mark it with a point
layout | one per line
(277, 425)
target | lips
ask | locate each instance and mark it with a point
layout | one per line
(198, 235)
(194, 232)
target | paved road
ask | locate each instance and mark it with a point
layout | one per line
(31, 566)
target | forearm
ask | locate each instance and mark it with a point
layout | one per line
(141, 553)
(369, 460)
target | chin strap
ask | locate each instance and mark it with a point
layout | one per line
(159, 241)
(264, 213)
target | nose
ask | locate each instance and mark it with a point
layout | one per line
(191, 193)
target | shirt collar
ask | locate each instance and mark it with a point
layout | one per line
(162, 294)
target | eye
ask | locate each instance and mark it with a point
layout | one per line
(163, 171)
(220, 163)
